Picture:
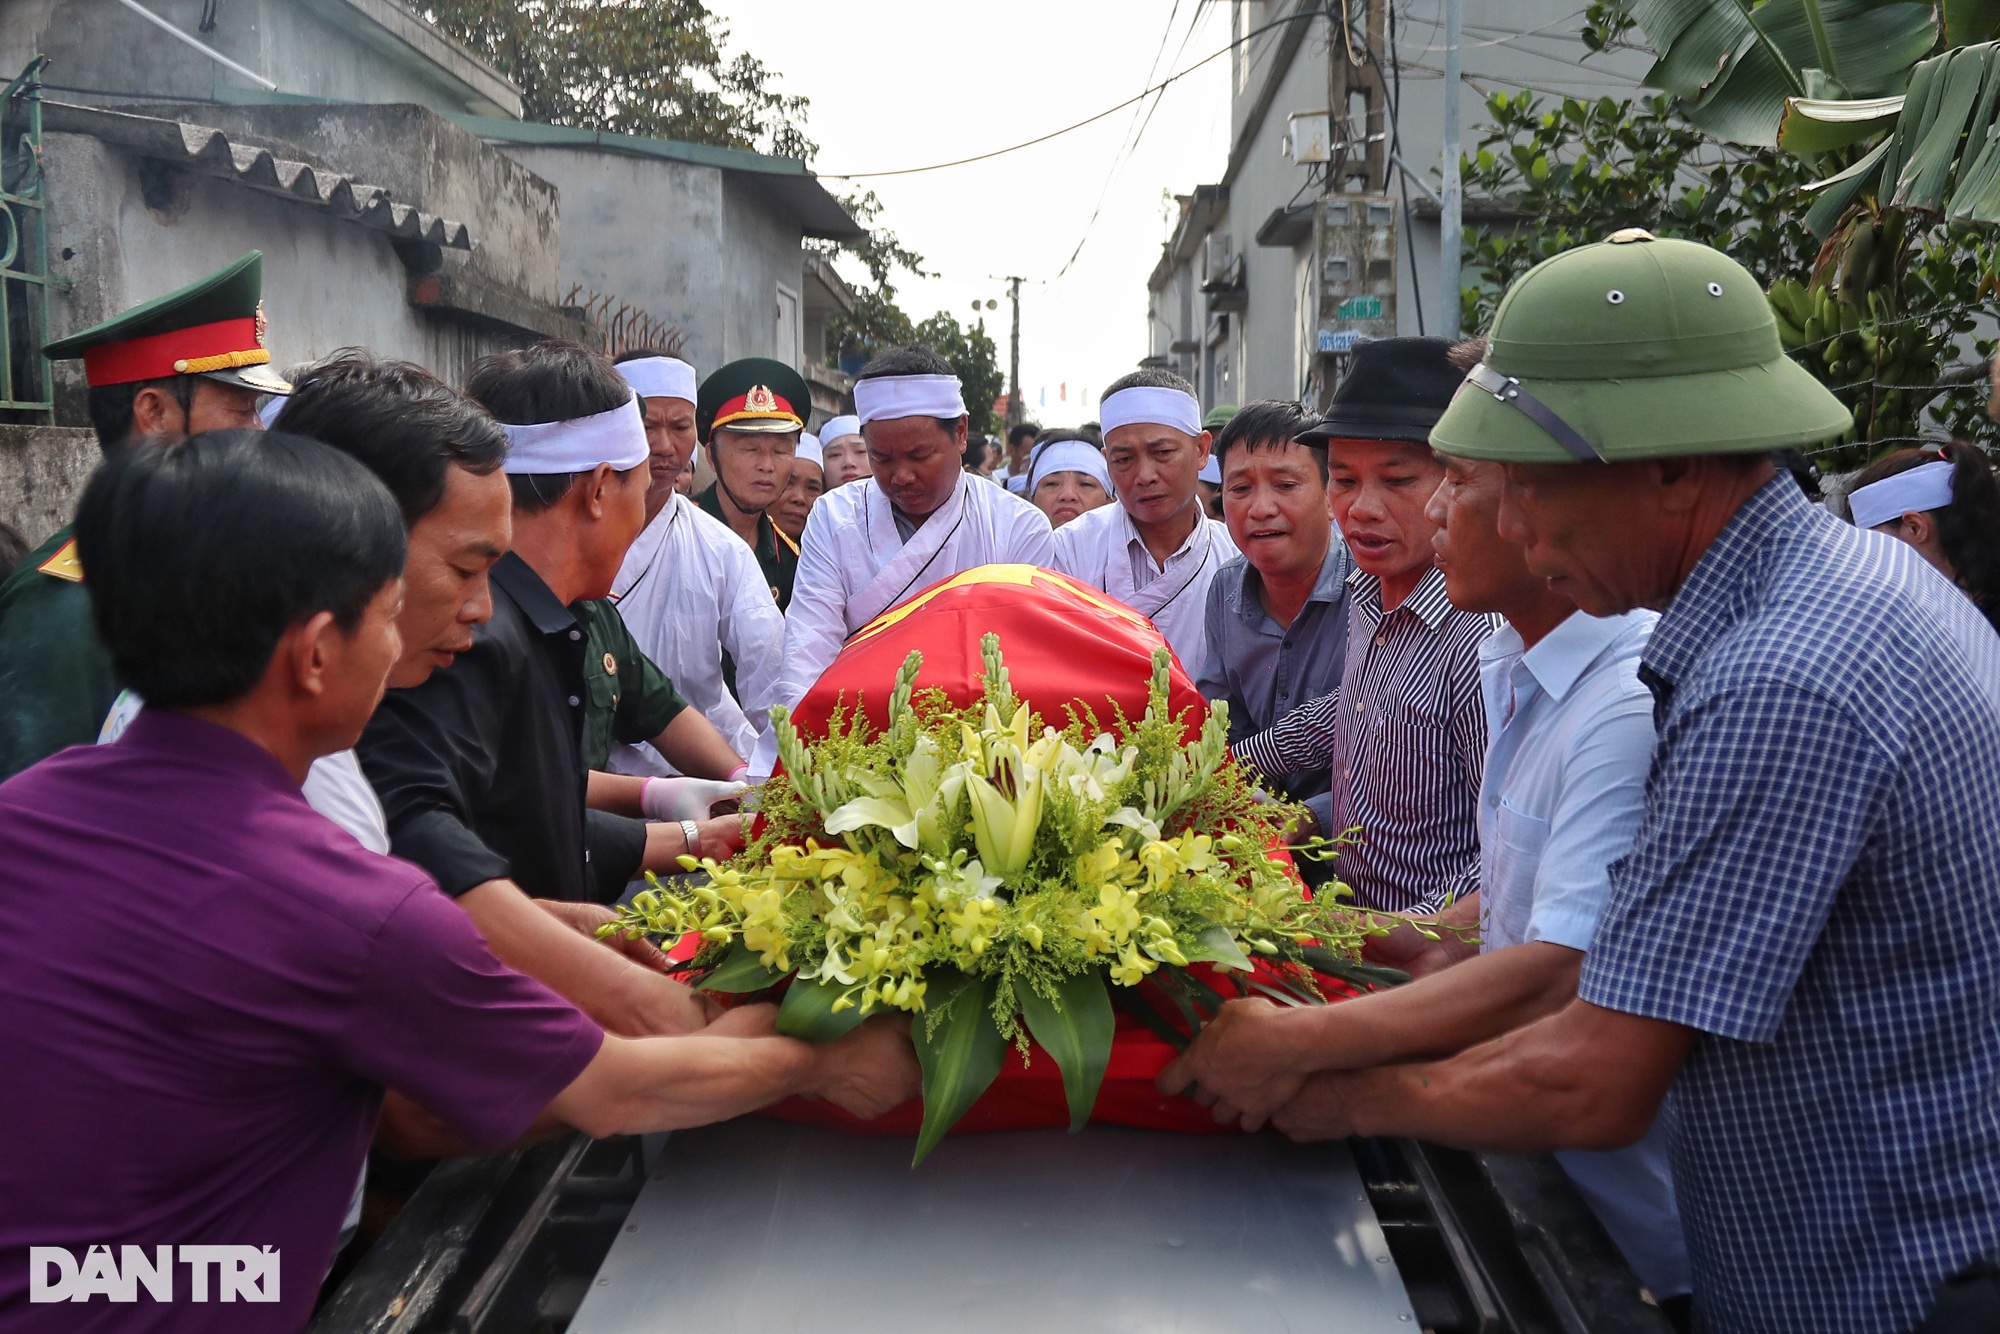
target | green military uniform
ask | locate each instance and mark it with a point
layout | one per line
(755, 396)
(56, 680)
(627, 697)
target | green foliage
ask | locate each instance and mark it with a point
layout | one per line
(973, 356)
(1577, 171)
(995, 877)
(646, 67)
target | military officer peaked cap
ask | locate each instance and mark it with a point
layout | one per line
(1632, 348)
(755, 394)
(214, 328)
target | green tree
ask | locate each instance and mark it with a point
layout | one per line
(1884, 333)
(876, 321)
(647, 67)
(973, 356)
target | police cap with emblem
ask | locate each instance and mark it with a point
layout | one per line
(755, 394)
(1635, 347)
(213, 328)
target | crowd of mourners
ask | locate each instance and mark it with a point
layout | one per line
(352, 700)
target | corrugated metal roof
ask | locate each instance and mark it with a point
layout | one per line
(787, 180)
(207, 150)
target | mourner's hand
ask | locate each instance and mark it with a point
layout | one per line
(587, 917)
(1418, 945)
(1249, 1060)
(722, 837)
(872, 1070)
(681, 798)
(655, 1006)
(744, 1021)
(1319, 1111)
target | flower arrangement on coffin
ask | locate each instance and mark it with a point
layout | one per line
(999, 879)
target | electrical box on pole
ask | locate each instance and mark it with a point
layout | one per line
(1355, 278)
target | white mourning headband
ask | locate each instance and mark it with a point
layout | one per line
(809, 449)
(617, 437)
(660, 377)
(839, 429)
(1912, 491)
(1151, 404)
(891, 396)
(1068, 456)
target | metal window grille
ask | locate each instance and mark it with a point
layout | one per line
(25, 389)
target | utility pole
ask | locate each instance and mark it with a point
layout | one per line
(1451, 204)
(1014, 412)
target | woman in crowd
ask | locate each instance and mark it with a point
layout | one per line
(1067, 476)
(1945, 502)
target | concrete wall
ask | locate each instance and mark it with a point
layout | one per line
(42, 472)
(423, 160)
(327, 283)
(687, 244)
(327, 49)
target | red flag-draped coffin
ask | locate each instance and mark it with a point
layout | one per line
(1064, 643)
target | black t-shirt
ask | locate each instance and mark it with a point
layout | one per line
(481, 770)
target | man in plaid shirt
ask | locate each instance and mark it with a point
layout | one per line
(1801, 954)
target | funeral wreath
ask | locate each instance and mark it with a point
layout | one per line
(1000, 879)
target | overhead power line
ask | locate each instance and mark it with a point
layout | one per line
(1170, 80)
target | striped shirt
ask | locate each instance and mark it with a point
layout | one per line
(1405, 736)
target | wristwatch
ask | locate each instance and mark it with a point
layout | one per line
(692, 833)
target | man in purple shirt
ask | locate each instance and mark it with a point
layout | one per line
(209, 984)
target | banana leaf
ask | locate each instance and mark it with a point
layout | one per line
(960, 1056)
(1933, 148)
(740, 971)
(1075, 1028)
(1838, 191)
(1734, 67)
(807, 1011)
(1815, 125)
(1969, 21)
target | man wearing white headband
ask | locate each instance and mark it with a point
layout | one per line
(690, 590)
(481, 769)
(845, 452)
(1155, 550)
(920, 518)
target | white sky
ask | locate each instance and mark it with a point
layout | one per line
(904, 83)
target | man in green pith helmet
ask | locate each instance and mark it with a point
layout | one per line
(1800, 954)
(190, 361)
(749, 415)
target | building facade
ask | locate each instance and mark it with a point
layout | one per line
(1306, 242)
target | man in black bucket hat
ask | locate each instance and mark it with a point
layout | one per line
(1405, 734)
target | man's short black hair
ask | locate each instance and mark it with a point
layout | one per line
(110, 406)
(204, 551)
(1147, 377)
(975, 451)
(1022, 431)
(552, 381)
(905, 361)
(1270, 422)
(404, 424)
(641, 354)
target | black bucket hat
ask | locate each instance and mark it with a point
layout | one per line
(1394, 389)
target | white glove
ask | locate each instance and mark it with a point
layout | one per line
(684, 798)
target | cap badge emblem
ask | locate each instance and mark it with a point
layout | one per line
(610, 665)
(760, 399)
(263, 325)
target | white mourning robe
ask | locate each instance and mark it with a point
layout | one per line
(854, 565)
(1100, 546)
(689, 591)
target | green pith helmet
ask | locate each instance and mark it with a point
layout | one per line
(213, 327)
(1218, 417)
(1632, 348)
(754, 394)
